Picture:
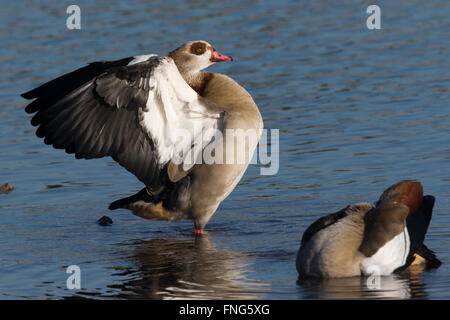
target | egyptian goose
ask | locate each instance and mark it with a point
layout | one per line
(155, 117)
(362, 240)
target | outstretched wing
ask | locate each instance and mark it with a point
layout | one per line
(128, 109)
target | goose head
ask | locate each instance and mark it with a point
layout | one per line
(407, 192)
(194, 56)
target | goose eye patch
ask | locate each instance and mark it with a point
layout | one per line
(198, 48)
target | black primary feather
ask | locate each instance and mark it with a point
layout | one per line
(93, 112)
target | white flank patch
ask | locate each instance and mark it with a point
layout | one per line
(389, 257)
(141, 58)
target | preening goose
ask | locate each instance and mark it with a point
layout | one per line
(363, 240)
(157, 117)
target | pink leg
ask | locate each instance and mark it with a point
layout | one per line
(198, 231)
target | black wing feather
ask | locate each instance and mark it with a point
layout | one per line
(59, 87)
(417, 225)
(322, 223)
(93, 112)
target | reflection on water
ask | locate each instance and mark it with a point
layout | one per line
(185, 269)
(193, 268)
(386, 287)
(355, 288)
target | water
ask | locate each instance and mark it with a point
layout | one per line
(358, 110)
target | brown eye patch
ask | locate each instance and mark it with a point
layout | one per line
(198, 48)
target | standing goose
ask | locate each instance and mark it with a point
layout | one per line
(156, 117)
(362, 239)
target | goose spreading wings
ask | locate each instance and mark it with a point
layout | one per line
(155, 117)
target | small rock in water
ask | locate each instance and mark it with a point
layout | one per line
(6, 188)
(105, 221)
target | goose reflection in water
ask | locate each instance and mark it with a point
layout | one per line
(187, 269)
(406, 285)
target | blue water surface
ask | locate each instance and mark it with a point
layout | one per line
(357, 110)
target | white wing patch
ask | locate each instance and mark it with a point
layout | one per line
(177, 120)
(141, 58)
(389, 257)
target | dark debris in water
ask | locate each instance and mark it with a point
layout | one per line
(6, 188)
(105, 221)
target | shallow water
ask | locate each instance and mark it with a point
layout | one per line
(358, 110)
